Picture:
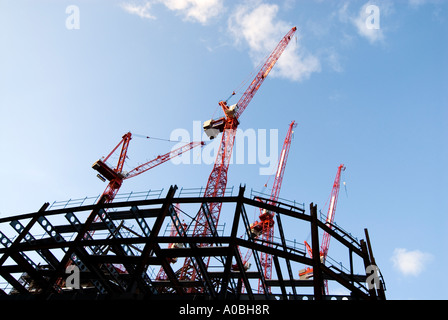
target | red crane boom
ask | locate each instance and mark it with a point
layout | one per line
(217, 181)
(331, 213)
(263, 73)
(282, 163)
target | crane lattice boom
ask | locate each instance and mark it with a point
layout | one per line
(261, 76)
(331, 213)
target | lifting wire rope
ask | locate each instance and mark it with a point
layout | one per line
(241, 87)
(154, 138)
(141, 136)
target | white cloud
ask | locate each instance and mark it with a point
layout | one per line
(333, 59)
(141, 10)
(198, 10)
(256, 24)
(417, 3)
(342, 13)
(410, 263)
(253, 23)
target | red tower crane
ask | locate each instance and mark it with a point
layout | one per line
(266, 217)
(265, 227)
(325, 245)
(228, 124)
(116, 175)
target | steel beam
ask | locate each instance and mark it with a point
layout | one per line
(317, 270)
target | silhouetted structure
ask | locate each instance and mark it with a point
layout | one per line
(117, 255)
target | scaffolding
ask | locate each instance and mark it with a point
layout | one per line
(118, 256)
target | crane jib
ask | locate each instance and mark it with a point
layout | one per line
(263, 73)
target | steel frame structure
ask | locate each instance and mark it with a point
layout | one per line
(33, 263)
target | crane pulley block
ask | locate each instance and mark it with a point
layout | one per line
(231, 111)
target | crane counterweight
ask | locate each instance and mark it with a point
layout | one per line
(104, 170)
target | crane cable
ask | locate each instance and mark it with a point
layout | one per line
(251, 75)
(154, 138)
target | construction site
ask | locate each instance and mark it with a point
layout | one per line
(173, 244)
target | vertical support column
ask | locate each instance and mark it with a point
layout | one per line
(288, 263)
(280, 278)
(350, 252)
(367, 263)
(317, 271)
(151, 247)
(233, 247)
(380, 290)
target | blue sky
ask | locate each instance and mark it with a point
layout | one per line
(374, 99)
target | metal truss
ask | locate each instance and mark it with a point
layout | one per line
(118, 261)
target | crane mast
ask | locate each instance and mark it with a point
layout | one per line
(325, 245)
(217, 181)
(265, 227)
(267, 218)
